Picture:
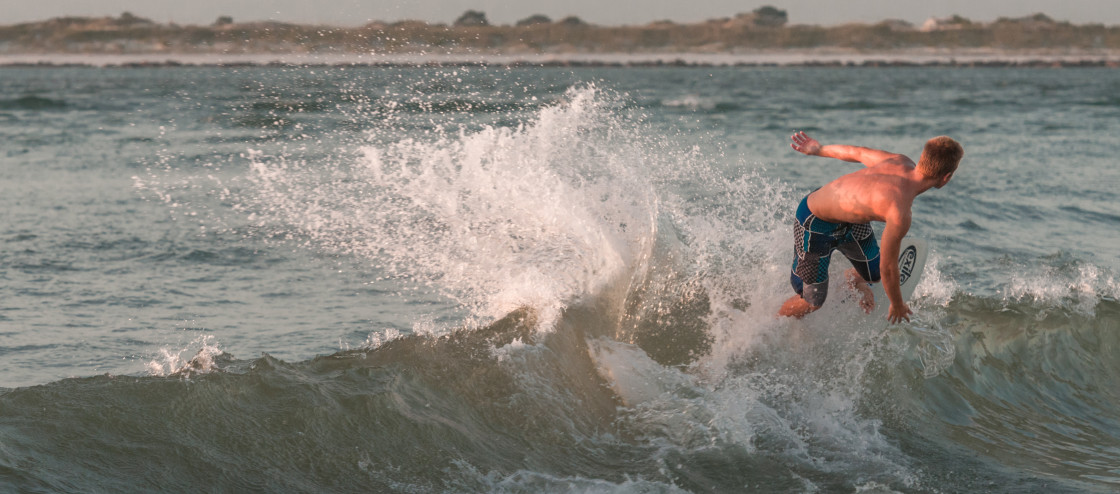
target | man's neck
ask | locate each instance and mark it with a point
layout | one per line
(923, 182)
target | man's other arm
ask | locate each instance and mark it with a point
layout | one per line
(897, 226)
(802, 143)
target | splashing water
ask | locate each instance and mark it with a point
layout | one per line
(171, 362)
(1078, 288)
(536, 215)
(935, 347)
(571, 204)
(582, 203)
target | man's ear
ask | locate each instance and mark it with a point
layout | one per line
(946, 179)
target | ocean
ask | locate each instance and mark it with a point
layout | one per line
(544, 279)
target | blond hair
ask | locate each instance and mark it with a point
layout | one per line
(940, 157)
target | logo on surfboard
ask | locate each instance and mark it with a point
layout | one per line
(906, 263)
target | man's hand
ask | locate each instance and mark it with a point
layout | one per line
(804, 144)
(896, 314)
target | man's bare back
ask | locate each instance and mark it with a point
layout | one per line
(871, 194)
(883, 191)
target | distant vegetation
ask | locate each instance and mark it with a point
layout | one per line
(766, 28)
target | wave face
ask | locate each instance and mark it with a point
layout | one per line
(483, 280)
(507, 408)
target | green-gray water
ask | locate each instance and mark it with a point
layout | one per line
(466, 279)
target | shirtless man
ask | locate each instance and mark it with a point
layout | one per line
(838, 216)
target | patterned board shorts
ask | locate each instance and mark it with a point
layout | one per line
(814, 240)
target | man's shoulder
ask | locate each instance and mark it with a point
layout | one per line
(896, 160)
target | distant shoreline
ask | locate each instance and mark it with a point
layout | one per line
(776, 58)
(763, 37)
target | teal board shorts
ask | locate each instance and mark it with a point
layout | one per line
(813, 242)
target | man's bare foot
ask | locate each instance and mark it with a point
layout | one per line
(866, 297)
(796, 307)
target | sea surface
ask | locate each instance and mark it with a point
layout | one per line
(525, 279)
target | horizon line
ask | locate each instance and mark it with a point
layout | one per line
(172, 22)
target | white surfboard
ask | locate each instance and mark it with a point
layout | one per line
(912, 256)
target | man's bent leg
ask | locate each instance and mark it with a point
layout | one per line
(796, 307)
(810, 296)
(809, 273)
(860, 247)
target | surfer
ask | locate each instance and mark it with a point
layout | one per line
(838, 216)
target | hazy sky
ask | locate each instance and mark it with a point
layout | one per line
(608, 12)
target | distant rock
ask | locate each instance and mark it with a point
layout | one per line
(1035, 21)
(534, 19)
(572, 21)
(952, 23)
(770, 16)
(472, 18)
(897, 25)
(127, 19)
(761, 17)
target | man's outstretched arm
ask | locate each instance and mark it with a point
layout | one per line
(804, 144)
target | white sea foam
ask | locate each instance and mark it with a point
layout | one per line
(936, 288)
(376, 339)
(530, 481)
(172, 361)
(934, 342)
(504, 352)
(1078, 288)
(690, 101)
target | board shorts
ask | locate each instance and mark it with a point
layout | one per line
(813, 242)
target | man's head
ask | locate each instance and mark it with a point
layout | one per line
(940, 158)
